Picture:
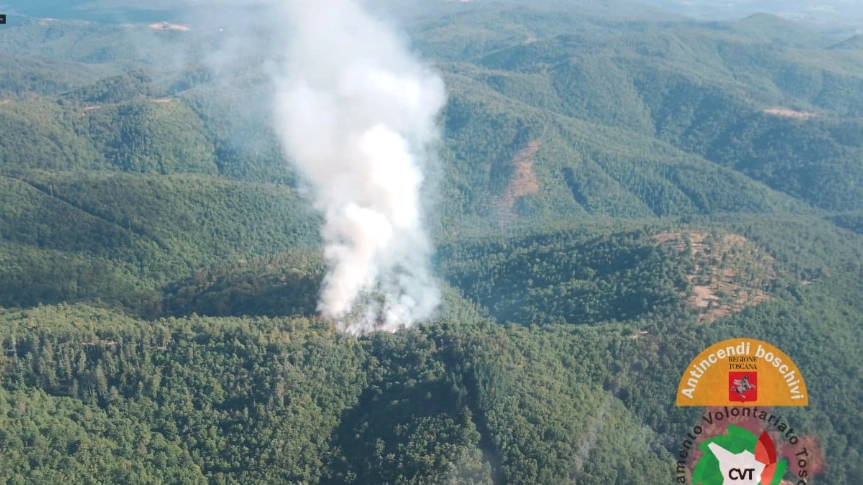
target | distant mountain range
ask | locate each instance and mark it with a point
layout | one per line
(830, 15)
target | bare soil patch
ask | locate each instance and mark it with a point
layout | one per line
(523, 182)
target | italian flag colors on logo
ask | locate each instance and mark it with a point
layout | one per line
(738, 457)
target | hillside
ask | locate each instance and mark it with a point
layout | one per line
(112, 237)
(773, 29)
(582, 166)
(855, 42)
(708, 95)
(616, 188)
(717, 95)
(727, 273)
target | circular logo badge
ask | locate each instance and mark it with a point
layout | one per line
(746, 446)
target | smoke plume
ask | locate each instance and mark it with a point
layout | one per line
(357, 114)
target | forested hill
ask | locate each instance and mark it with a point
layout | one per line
(617, 188)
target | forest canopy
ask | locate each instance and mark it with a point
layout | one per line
(615, 190)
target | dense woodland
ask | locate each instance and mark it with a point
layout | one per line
(160, 262)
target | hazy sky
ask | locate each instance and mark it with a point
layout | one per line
(845, 15)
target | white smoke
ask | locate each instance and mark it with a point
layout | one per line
(358, 114)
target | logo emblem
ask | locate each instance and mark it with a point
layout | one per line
(739, 381)
(739, 458)
(742, 386)
(742, 371)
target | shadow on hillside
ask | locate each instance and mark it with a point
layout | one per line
(403, 428)
(50, 279)
(243, 294)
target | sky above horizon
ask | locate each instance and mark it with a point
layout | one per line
(829, 15)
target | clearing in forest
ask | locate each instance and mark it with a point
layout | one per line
(523, 182)
(727, 272)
